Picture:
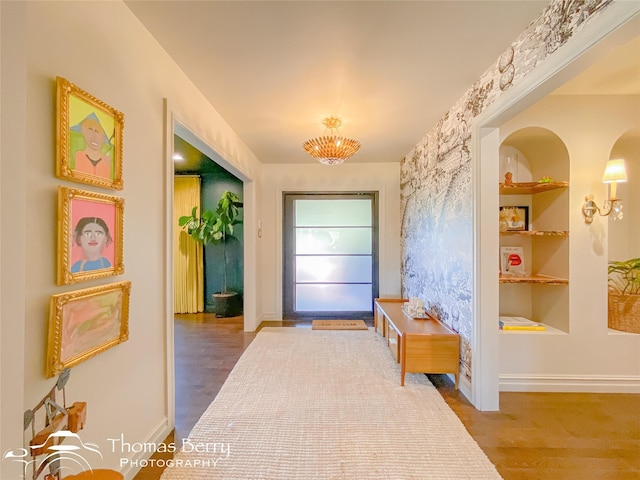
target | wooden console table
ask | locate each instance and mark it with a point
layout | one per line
(420, 345)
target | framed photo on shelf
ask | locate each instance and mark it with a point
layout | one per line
(512, 261)
(89, 133)
(514, 218)
(86, 322)
(90, 235)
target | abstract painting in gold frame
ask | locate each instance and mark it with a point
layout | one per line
(84, 323)
(90, 235)
(89, 134)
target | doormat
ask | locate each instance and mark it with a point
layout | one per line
(338, 325)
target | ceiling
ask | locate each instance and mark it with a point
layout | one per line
(192, 161)
(615, 73)
(390, 69)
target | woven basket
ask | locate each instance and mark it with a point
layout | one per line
(624, 312)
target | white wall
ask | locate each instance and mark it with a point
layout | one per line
(276, 179)
(623, 236)
(589, 357)
(101, 47)
(13, 168)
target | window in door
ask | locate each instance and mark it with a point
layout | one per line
(330, 255)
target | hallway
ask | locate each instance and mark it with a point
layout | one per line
(535, 436)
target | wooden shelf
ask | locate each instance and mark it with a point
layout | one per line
(524, 188)
(534, 279)
(536, 233)
(549, 331)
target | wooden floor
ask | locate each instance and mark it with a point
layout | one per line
(535, 436)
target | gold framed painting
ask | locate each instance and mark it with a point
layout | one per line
(89, 134)
(90, 235)
(84, 323)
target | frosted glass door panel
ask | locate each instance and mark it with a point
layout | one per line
(333, 240)
(332, 269)
(337, 213)
(333, 298)
(330, 249)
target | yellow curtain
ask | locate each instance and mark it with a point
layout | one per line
(188, 268)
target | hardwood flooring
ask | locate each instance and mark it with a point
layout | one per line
(555, 436)
(534, 436)
(206, 350)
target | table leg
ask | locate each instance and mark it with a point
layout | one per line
(403, 362)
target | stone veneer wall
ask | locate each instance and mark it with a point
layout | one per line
(436, 194)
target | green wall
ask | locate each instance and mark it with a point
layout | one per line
(212, 187)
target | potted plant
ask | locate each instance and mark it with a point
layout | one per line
(217, 228)
(624, 295)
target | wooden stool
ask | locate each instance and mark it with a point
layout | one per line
(96, 475)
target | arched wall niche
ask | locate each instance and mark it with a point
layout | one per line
(540, 153)
(624, 234)
(539, 143)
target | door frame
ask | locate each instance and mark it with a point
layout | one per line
(288, 300)
(172, 124)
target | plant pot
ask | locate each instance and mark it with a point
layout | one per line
(227, 304)
(624, 312)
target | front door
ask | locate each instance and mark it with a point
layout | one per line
(330, 255)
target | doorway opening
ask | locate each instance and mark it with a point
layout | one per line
(221, 268)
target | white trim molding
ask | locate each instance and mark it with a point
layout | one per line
(570, 383)
(464, 385)
(132, 462)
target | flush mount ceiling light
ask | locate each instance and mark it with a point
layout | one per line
(331, 149)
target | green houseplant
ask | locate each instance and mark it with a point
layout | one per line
(624, 295)
(217, 227)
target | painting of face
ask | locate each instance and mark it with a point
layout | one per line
(92, 239)
(94, 136)
(89, 136)
(90, 235)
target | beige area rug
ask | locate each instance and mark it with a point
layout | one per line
(303, 404)
(338, 325)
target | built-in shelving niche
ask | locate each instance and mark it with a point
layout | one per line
(543, 294)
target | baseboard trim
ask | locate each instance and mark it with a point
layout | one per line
(269, 323)
(138, 460)
(570, 383)
(464, 385)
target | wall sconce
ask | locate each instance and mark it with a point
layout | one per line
(614, 172)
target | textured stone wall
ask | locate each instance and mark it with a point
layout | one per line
(437, 237)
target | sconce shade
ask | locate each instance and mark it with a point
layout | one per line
(615, 171)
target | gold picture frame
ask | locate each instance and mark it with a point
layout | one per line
(89, 134)
(90, 235)
(84, 323)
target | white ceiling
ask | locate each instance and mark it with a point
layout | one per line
(390, 69)
(616, 73)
